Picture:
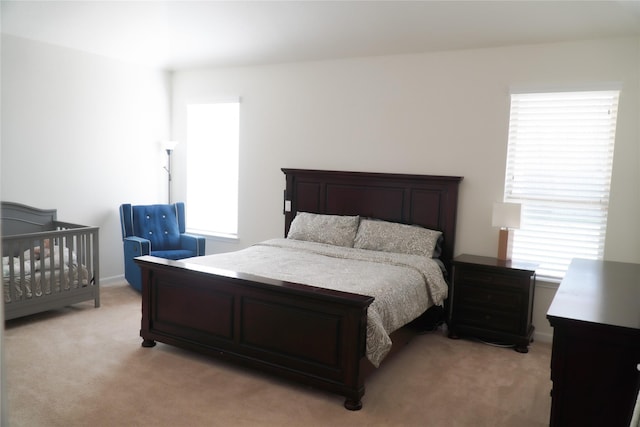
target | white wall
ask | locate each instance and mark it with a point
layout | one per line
(80, 133)
(435, 113)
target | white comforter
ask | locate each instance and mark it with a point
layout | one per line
(403, 286)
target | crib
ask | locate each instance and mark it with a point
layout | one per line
(46, 264)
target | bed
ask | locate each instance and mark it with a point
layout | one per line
(46, 264)
(316, 335)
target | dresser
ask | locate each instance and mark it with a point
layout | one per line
(492, 299)
(595, 316)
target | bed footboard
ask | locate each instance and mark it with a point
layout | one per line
(311, 335)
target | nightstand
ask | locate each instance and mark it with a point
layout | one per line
(492, 300)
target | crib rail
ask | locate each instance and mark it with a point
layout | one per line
(50, 269)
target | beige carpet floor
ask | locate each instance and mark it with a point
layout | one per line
(82, 366)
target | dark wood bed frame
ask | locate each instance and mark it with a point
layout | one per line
(307, 334)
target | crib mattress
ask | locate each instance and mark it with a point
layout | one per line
(34, 278)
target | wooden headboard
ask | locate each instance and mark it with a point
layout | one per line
(425, 200)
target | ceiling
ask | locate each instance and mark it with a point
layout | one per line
(187, 34)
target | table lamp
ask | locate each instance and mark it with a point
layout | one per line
(507, 217)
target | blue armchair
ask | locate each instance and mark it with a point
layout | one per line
(157, 230)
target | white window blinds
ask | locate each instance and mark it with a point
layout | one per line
(559, 162)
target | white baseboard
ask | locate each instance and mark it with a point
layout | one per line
(543, 337)
(113, 280)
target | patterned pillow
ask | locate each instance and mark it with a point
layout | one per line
(387, 236)
(334, 230)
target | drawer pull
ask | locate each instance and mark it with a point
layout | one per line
(487, 317)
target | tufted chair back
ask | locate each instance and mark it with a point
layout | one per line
(157, 230)
(160, 224)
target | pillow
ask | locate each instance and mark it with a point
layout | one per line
(331, 229)
(386, 236)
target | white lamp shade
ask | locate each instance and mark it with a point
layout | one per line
(506, 215)
(168, 145)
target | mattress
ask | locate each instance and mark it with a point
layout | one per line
(404, 286)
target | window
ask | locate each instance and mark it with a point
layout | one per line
(212, 168)
(559, 162)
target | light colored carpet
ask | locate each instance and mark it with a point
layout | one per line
(82, 366)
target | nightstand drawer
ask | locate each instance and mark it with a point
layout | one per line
(477, 296)
(492, 320)
(492, 299)
(490, 278)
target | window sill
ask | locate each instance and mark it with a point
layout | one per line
(547, 282)
(221, 237)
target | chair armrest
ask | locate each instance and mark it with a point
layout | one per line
(136, 246)
(193, 243)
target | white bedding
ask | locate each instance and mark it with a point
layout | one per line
(28, 285)
(403, 286)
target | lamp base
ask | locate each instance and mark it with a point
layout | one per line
(505, 240)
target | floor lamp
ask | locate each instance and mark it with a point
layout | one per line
(507, 217)
(169, 146)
